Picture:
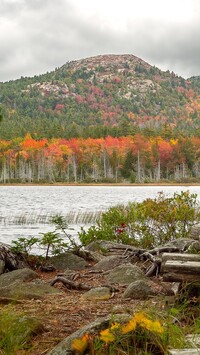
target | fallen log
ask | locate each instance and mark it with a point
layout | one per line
(174, 277)
(178, 256)
(180, 267)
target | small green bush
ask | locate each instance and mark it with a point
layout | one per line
(52, 242)
(147, 224)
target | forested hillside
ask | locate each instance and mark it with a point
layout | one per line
(110, 118)
(113, 95)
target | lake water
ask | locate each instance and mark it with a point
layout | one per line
(25, 210)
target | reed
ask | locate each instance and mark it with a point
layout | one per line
(73, 217)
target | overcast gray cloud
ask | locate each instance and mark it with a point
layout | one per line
(38, 35)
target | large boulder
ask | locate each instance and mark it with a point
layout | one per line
(110, 262)
(125, 274)
(21, 275)
(27, 290)
(68, 261)
(139, 289)
(23, 284)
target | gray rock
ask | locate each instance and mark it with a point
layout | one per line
(181, 243)
(64, 347)
(27, 290)
(10, 260)
(195, 232)
(104, 246)
(194, 247)
(17, 275)
(97, 293)
(138, 290)
(125, 274)
(96, 256)
(100, 246)
(110, 262)
(68, 261)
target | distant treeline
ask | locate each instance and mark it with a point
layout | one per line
(134, 158)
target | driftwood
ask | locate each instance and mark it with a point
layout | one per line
(180, 267)
(154, 269)
(78, 285)
(70, 284)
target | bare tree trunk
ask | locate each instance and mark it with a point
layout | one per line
(74, 168)
(105, 164)
(158, 171)
(138, 167)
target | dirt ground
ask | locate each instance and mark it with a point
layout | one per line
(64, 313)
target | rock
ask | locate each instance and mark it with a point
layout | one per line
(180, 243)
(17, 275)
(194, 247)
(139, 289)
(64, 347)
(97, 293)
(125, 274)
(10, 260)
(27, 290)
(104, 246)
(184, 351)
(97, 256)
(110, 262)
(193, 339)
(68, 261)
(195, 232)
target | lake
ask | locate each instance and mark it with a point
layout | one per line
(25, 210)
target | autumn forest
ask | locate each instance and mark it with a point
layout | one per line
(132, 158)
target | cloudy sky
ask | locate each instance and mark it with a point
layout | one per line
(38, 35)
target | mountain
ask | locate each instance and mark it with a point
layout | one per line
(103, 95)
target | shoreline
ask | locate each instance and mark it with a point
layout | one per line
(101, 184)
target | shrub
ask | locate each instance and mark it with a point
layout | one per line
(147, 224)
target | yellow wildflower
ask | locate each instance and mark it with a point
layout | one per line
(148, 324)
(144, 322)
(131, 325)
(107, 336)
(115, 326)
(157, 327)
(80, 344)
(139, 318)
